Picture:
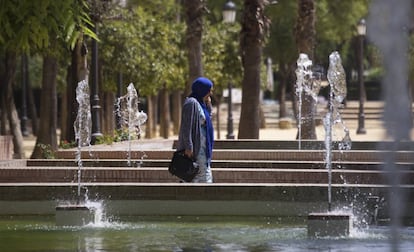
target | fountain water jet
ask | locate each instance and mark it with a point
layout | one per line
(305, 83)
(337, 93)
(76, 214)
(333, 223)
(129, 115)
(82, 126)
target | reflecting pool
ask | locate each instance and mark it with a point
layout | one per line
(34, 233)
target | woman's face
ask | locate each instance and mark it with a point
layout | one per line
(207, 98)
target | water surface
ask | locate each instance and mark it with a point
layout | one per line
(34, 233)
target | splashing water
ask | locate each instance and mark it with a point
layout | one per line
(82, 125)
(337, 83)
(100, 219)
(130, 116)
(336, 75)
(304, 82)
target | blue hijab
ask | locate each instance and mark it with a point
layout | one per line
(200, 88)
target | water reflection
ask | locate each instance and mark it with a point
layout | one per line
(41, 234)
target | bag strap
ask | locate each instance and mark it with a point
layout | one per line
(182, 152)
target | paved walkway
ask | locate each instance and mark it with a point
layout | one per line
(375, 132)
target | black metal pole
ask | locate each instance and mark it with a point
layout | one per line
(361, 115)
(23, 122)
(230, 134)
(118, 95)
(96, 126)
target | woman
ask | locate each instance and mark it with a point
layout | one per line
(196, 134)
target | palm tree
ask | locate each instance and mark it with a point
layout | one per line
(305, 40)
(47, 136)
(9, 118)
(254, 26)
(194, 10)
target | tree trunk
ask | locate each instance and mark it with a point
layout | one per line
(148, 124)
(151, 124)
(32, 108)
(79, 71)
(194, 19)
(164, 113)
(64, 110)
(46, 141)
(72, 105)
(10, 107)
(108, 115)
(177, 103)
(305, 37)
(305, 27)
(4, 122)
(284, 77)
(4, 126)
(249, 117)
(254, 24)
(282, 98)
(262, 117)
(217, 99)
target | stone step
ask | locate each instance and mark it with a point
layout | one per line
(221, 175)
(304, 144)
(252, 155)
(263, 164)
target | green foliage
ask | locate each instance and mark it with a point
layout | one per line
(32, 25)
(47, 151)
(146, 48)
(120, 135)
(335, 29)
(105, 139)
(281, 46)
(221, 56)
(67, 145)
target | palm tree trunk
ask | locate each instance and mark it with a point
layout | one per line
(10, 107)
(165, 117)
(32, 108)
(194, 19)
(47, 138)
(254, 25)
(108, 116)
(282, 90)
(78, 72)
(176, 110)
(217, 99)
(151, 124)
(305, 37)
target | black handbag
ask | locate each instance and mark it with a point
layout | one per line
(183, 166)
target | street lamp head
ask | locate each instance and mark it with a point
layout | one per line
(229, 12)
(362, 27)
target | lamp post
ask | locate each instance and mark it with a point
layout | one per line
(229, 12)
(229, 16)
(96, 107)
(25, 77)
(118, 96)
(361, 28)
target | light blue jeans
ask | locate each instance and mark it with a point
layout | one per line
(204, 175)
